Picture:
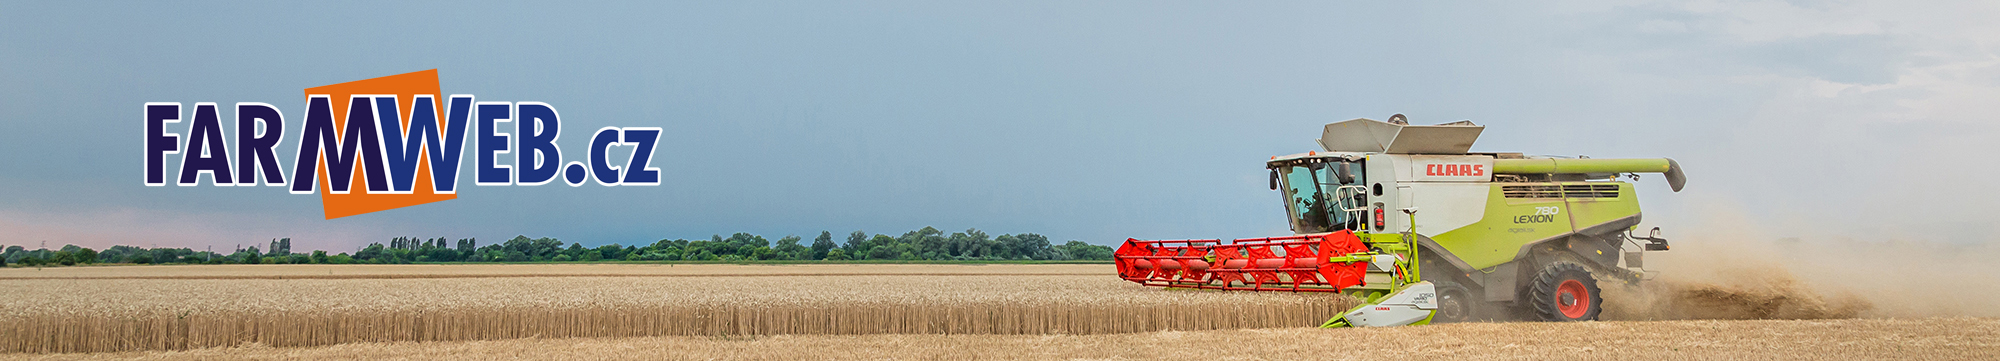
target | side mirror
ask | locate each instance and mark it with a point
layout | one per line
(1274, 179)
(1340, 171)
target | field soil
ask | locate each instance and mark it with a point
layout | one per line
(1850, 339)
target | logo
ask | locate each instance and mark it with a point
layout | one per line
(1542, 215)
(1423, 298)
(386, 143)
(1450, 170)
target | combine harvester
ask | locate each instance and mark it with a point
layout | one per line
(1421, 230)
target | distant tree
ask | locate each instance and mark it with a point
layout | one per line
(538, 249)
(789, 248)
(881, 247)
(928, 240)
(1031, 246)
(856, 242)
(741, 240)
(610, 251)
(1083, 251)
(492, 253)
(759, 253)
(115, 254)
(372, 252)
(86, 255)
(442, 254)
(65, 258)
(545, 248)
(927, 243)
(822, 244)
(965, 244)
(170, 255)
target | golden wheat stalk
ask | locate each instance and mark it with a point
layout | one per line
(126, 314)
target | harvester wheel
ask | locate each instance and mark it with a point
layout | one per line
(1456, 304)
(1565, 291)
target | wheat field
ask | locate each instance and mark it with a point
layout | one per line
(106, 309)
(482, 270)
(1850, 339)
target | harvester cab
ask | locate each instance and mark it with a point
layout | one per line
(1408, 220)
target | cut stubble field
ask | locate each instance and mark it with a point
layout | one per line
(850, 311)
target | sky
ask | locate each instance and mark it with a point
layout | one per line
(1090, 121)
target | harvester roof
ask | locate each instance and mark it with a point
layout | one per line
(1365, 135)
(1348, 156)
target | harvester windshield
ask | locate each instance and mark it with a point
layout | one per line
(1322, 196)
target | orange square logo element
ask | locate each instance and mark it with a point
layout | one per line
(405, 87)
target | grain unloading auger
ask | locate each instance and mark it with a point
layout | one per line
(1502, 235)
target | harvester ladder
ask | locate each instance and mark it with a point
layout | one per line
(1350, 201)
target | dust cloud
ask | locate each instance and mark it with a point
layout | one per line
(1725, 268)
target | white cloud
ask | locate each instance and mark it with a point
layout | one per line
(1871, 119)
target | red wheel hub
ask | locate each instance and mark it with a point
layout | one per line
(1572, 299)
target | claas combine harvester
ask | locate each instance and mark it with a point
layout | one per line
(1404, 218)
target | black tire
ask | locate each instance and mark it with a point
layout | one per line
(1457, 304)
(1565, 292)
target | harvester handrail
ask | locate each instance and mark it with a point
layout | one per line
(1356, 210)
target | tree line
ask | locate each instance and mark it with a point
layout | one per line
(923, 244)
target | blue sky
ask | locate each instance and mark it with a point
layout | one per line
(1091, 121)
